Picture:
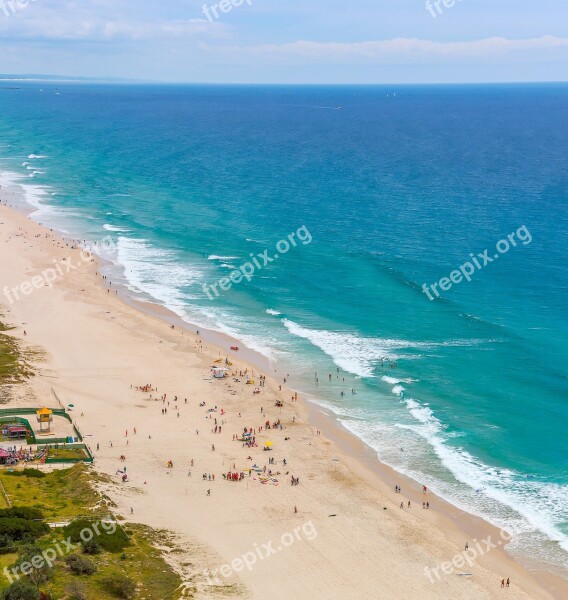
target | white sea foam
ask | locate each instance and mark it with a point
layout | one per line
(33, 194)
(259, 344)
(36, 156)
(270, 311)
(391, 380)
(360, 355)
(156, 272)
(398, 389)
(538, 503)
(217, 257)
(114, 228)
(529, 509)
(350, 352)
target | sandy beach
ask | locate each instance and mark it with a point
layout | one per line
(340, 533)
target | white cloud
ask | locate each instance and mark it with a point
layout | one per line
(88, 30)
(386, 51)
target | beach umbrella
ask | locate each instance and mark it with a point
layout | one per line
(268, 444)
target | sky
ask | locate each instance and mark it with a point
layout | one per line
(288, 41)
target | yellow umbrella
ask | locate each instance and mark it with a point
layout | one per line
(268, 443)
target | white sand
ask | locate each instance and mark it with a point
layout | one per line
(97, 347)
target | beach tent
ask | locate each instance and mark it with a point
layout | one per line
(219, 372)
(3, 456)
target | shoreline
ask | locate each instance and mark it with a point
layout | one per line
(363, 464)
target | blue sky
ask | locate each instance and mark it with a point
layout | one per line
(288, 41)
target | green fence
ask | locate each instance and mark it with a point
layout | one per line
(88, 458)
(31, 438)
(9, 415)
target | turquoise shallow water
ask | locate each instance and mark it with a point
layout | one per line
(396, 187)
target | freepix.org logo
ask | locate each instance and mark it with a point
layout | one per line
(48, 556)
(257, 262)
(479, 262)
(11, 7)
(51, 275)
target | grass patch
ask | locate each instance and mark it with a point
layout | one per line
(67, 453)
(140, 563)
(14, 366)
(63, 494)
(26, 472)
(125, 554)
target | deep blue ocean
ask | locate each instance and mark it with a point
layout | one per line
(397, 186)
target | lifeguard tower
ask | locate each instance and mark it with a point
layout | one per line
(44, 418)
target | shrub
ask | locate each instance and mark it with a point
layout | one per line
(27, 473)
(21, 512)
(120, 585)
(79, 565)
(20, 529)
(76, 591)
(28, 554)
(111, 542)
(91, 547)
(20, 590)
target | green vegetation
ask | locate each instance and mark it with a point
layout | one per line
(127, 565)
(21, 524)
(21, 590)
(115, 541)
(67, 453)
(14, 367)
(26, 472)
(63, 494)
(119, 585)
(80, 565)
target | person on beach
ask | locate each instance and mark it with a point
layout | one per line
(508, 582)
(502, 583)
